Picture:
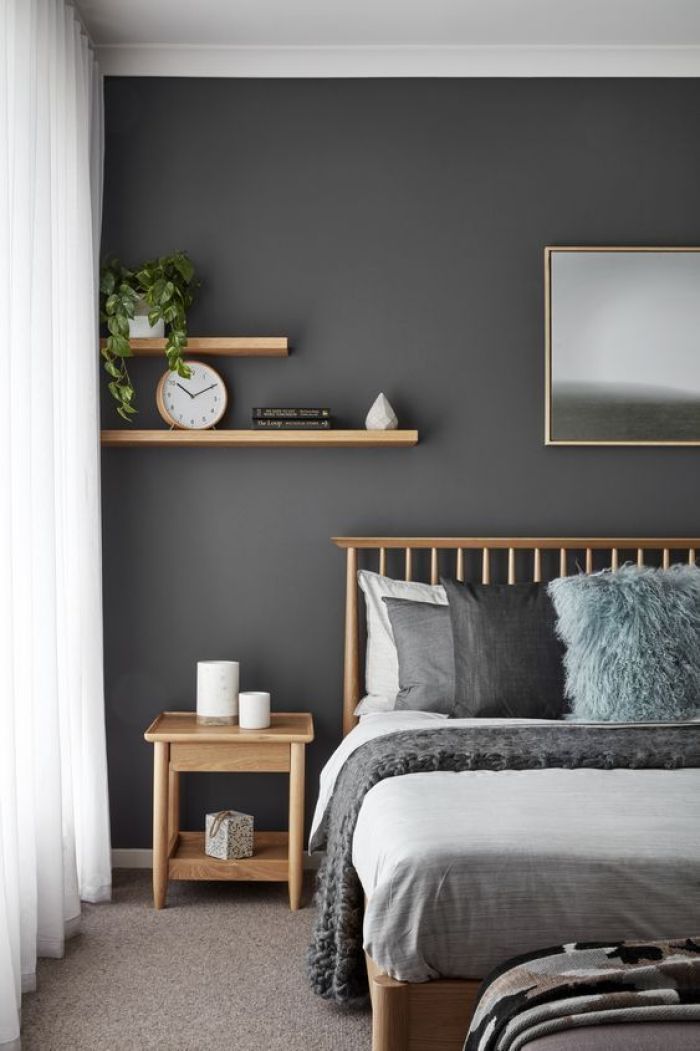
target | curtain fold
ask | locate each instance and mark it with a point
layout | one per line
(54, 829)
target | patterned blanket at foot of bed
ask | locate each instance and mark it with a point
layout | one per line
(578, 985)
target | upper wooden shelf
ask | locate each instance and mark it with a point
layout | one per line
(223, 346)
(289, 439)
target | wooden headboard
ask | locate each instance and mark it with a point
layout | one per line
(488, 559)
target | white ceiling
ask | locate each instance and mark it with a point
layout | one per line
(233, 34)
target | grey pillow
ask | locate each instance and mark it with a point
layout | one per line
(508, 659)
(423, 637)
(633, 643)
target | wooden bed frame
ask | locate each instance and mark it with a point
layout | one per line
(434, 1016)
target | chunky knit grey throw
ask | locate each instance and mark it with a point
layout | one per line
(335, 960)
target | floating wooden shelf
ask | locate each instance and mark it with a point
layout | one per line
(290, 439)
(247, 346)
(223, 346)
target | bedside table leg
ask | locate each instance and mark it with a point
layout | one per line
(161, 757)
(296, 823)
(173, 807)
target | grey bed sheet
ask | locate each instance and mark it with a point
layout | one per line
(466, 870)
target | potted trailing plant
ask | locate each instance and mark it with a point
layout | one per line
(165, 288)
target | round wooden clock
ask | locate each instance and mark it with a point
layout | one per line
(195, 403)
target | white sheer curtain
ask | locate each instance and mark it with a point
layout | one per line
(54, 833)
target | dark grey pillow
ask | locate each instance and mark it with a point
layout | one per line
(508, 659)
(423, 637)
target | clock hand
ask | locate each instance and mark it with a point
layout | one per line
(185, 390)
(203, 391)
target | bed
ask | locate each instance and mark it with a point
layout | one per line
(424, 843)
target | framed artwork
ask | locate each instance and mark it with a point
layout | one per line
(622, 344)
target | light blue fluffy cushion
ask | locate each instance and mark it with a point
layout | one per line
(632, 643)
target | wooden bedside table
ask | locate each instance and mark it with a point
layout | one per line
(181, 744)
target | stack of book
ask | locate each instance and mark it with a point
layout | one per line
(287, 419)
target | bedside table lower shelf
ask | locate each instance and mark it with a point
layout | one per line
(182, 745)
(270, 859)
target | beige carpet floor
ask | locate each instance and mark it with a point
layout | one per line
(221, 967)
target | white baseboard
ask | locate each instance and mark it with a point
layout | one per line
(132, 858)
(142, 858)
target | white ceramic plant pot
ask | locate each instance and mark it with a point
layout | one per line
(139, 327)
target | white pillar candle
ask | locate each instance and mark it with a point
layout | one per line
(254, 709)
(217, 692)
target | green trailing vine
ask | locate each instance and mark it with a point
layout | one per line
(167, 285)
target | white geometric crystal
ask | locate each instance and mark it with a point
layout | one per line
(381, 417)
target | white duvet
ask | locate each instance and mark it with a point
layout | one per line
(465, 870)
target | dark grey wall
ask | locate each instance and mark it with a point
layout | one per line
(394, 230)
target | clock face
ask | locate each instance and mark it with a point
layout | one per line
(194, 403)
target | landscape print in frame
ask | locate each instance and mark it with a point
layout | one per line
(622, 346)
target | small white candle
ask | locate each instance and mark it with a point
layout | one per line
(254, 710)
(217, 691)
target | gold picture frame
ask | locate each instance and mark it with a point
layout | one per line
(555, 435)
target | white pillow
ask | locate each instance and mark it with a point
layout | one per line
(373, 704)
(368, 713)
(382, 663)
